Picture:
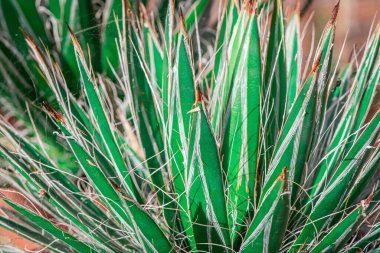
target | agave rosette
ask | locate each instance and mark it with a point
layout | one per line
(125, 135)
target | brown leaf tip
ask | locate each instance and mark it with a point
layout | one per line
(143, 11)
(369, 199)
(283, 174)
(250, 6)
(127, 6)
(27, 37)
(172, 7)
(334, 13)
(29, 40)
(365, 204)
(298, 7)
(72, 35)
(317, 63)
(198, 96)
(182, 22)
(77, 46)
(56, 115)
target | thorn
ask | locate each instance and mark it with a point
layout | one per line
(77, 46)
(283, 174)
(72, 35)
(250, 6)
(370, 197)
(317, 63)
(74, 39)
(198, 95)
(56, 115)
(365, 203)
(27, 37)
(29, 40)
(334, 14)
(126, 5)
(115, 186)
(198, 100)
(182, 22)
(172, 6)
(298, 7)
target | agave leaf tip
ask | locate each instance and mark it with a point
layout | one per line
(59, 117)
(127, 5)
(317, 63)
(73, 37)
(182, 22)
(298, 7)
(250, 6)
(334, 13)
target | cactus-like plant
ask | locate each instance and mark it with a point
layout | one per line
(123, 132)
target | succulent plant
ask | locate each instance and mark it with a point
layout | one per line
(123, 130)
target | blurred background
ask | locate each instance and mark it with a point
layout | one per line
(355, 19)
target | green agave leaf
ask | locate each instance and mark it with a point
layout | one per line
(342, 134)
(16, 15)
(290, 153)
(70, 211)
(325, 50)
(225, 75)
(205, 188)
(367, 98)
(124, 210)
(341, 232)
(66, 102)
(79, 15)
(153, 51)
(369, 238)
(293, 139)
(336, 97)
(241, 139)
(17, 85)
(35, 155)
(19, 166)
(51, 229)
(293, 58)
(32, 235)
(59, 91)
(16, 21)
(364, 177)
(167, 65)
(179, 130)
(113, 17)
(227, 22)
(275, 83)
(195, 12)
(78, 118)
(150, 125)
(272, 203)
(103, 124)
(331, 197)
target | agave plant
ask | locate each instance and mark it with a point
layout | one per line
(124, 131)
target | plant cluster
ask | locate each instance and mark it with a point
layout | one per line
(124, 131)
